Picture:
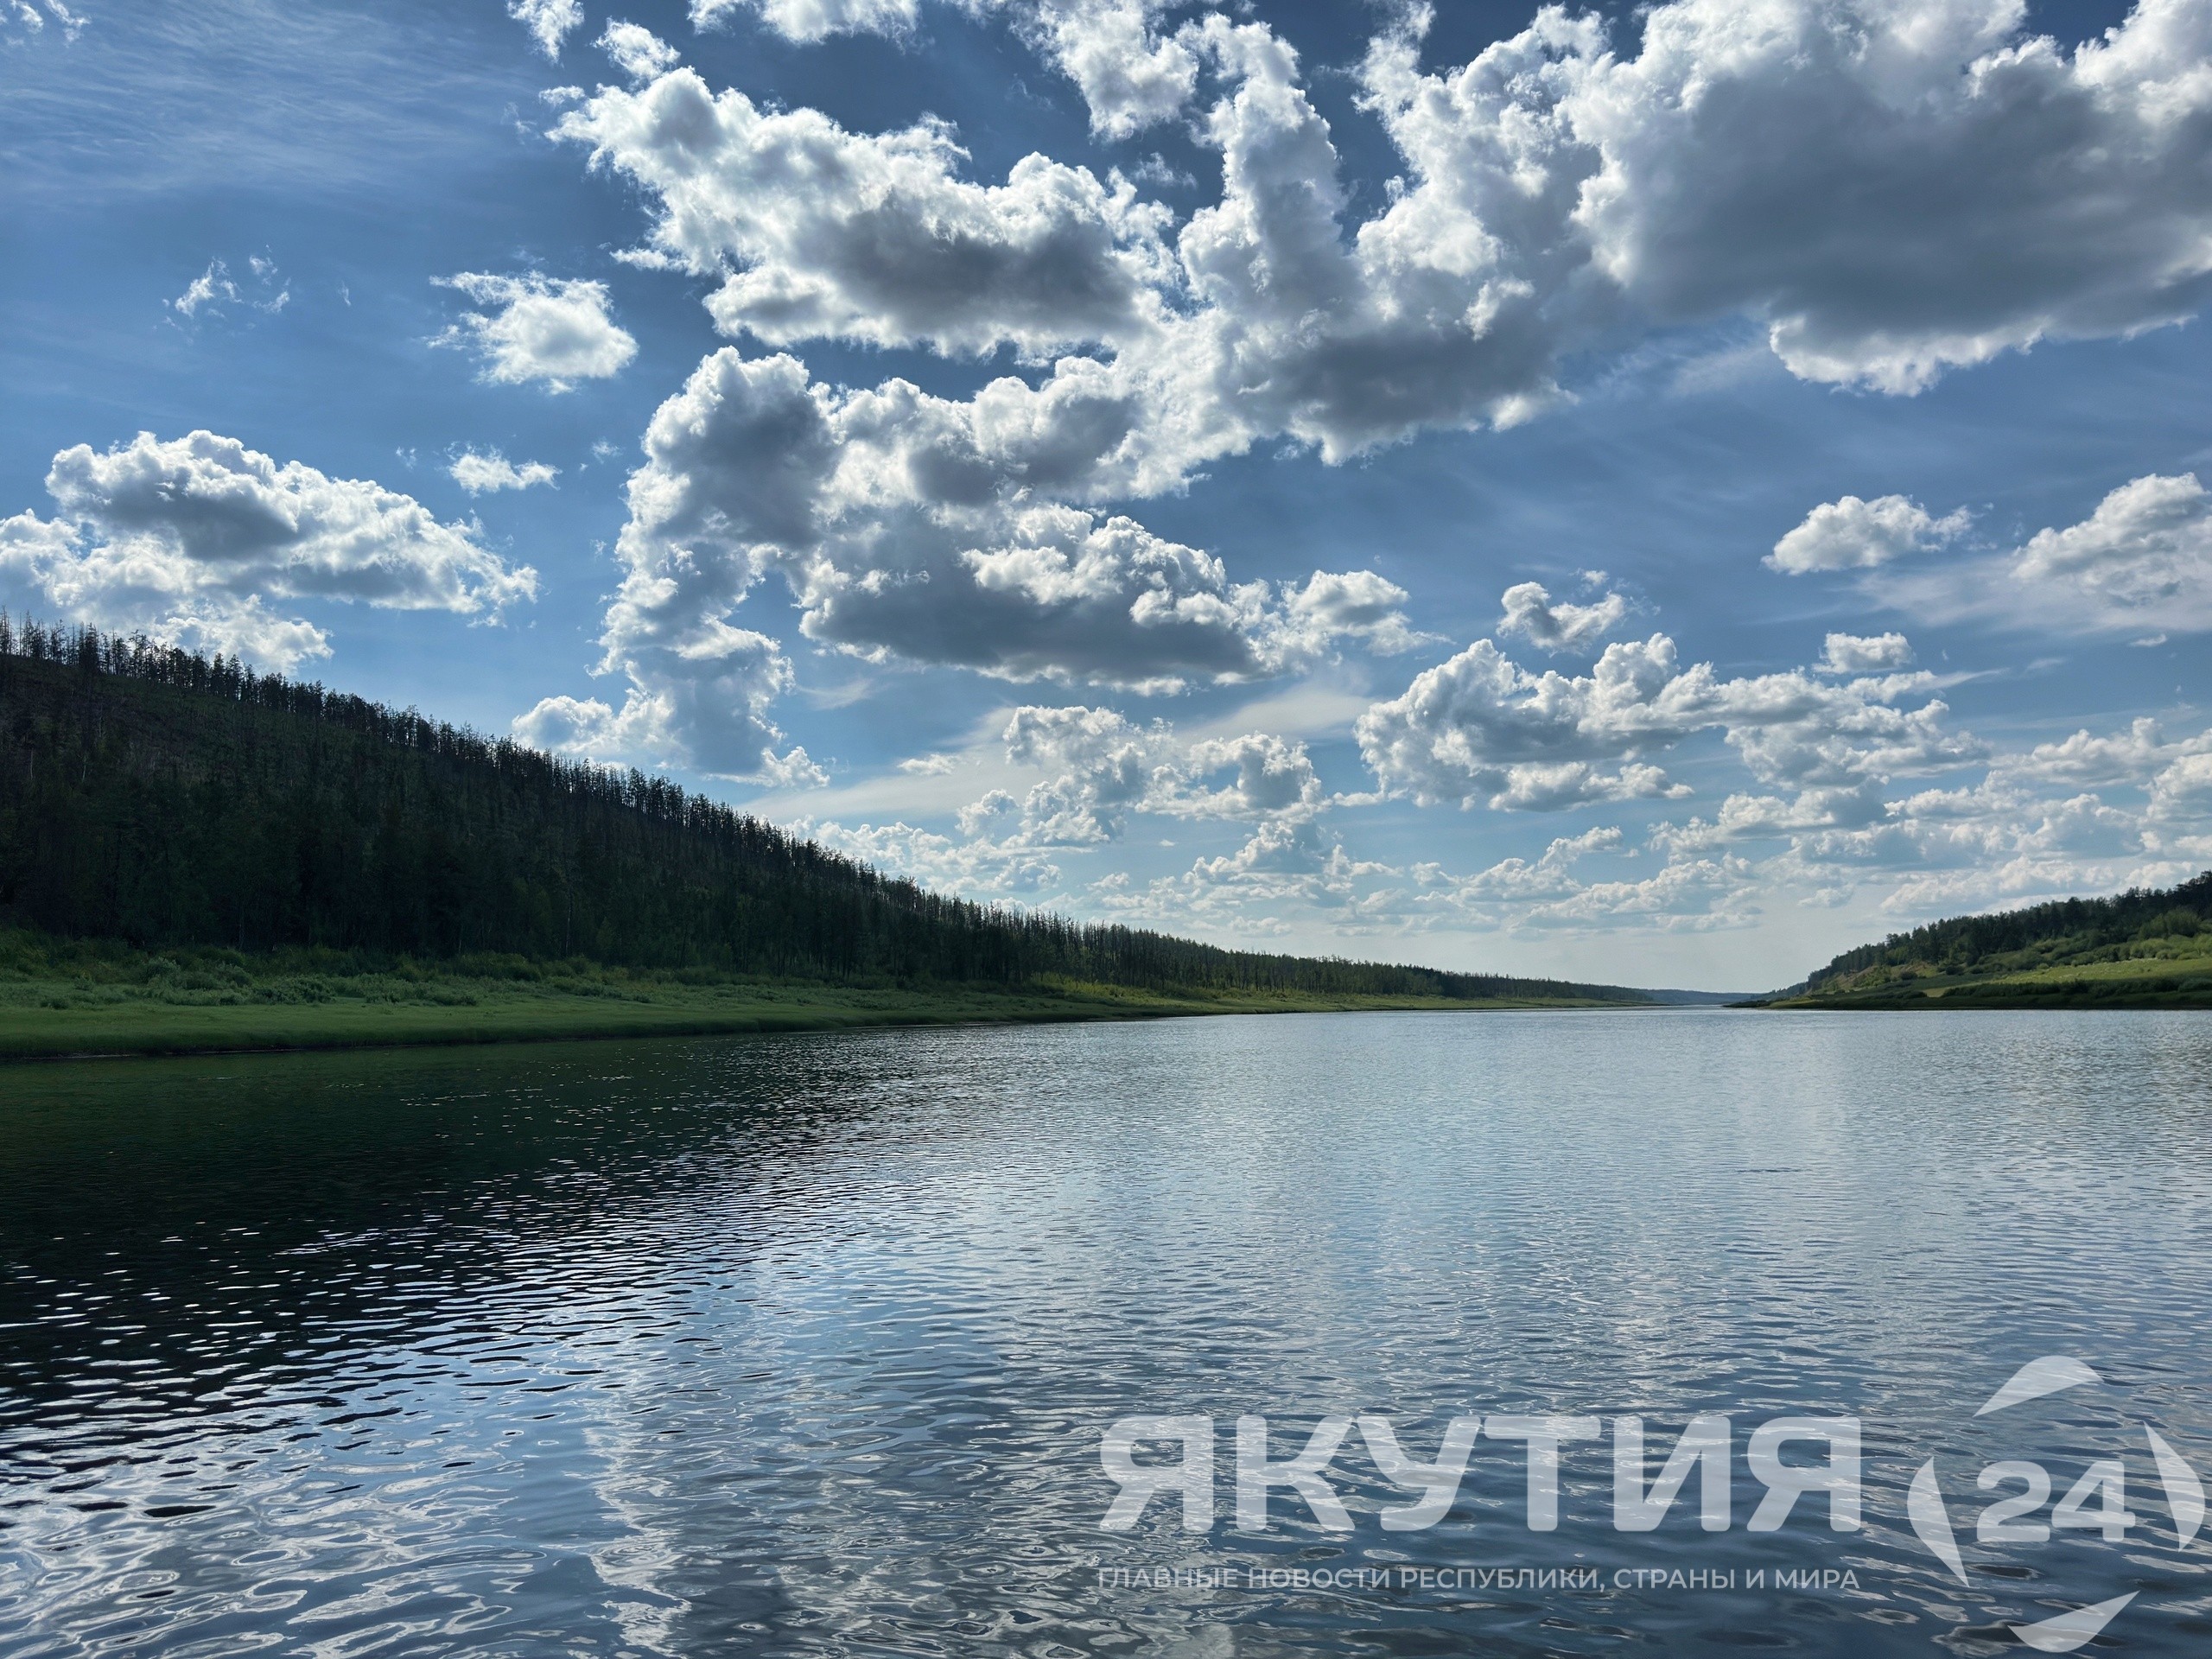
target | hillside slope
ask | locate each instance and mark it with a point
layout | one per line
(2138, 949)
(166, 801)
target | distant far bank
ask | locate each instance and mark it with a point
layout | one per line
(2142, 948)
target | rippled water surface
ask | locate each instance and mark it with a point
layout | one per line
(807, 1344)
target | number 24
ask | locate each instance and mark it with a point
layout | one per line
(2106, 1481)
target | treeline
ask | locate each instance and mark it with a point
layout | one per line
(1959, 944)
(160, 796)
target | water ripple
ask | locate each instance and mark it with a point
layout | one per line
(805, 1344)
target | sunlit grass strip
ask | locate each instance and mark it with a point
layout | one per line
(2143, 981)
(59, 999)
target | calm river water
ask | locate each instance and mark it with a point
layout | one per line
(810, 1345)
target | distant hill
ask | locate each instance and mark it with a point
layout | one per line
(162, 799)
(2141, 948)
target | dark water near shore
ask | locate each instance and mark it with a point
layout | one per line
(807, 1344)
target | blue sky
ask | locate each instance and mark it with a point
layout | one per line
(1094, 454)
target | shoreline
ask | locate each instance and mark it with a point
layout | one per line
(2188, 1003)
(2150, 981)
(147, 1029)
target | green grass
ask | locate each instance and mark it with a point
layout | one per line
(2175, 974)
(67, 998)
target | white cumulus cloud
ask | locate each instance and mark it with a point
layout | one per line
(699, 699)
(1551, 876)
(809, 20)
(549, 21)
(1864, 653)
(637, 51)
(967, 868)
(2142, 560)
(212, 287)
(541, 328)
(2084, 759)
(902, 525)
(1101, 764)
(1561, 625)
(1855, 534)
(1132, 71)
(1096, 769)
(480, 473)
(1890, 193)
(1481, 727)
(190, 538)
(1887, 194)
(2143, 557)
(875, 238)
(1131, 74)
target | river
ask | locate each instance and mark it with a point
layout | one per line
(822, 1345)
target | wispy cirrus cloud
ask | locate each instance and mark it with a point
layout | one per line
(213, 291)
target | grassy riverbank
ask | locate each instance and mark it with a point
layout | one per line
(61, 998)
(2176, 981)
(2141, 948)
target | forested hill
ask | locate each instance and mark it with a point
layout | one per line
(153, 796)
(2141, 946)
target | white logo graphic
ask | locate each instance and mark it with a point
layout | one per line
(2096, 1503)
(1705, 1447)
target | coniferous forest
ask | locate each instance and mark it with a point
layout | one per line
(2147, 947)
(159, 798)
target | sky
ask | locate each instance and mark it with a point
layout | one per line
(1658, 495)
